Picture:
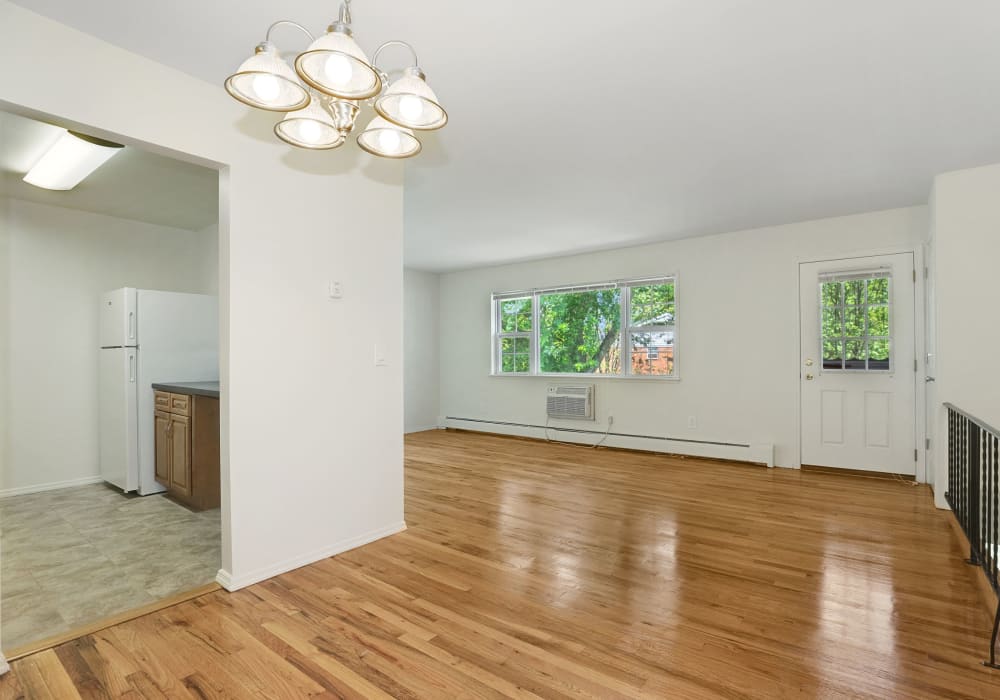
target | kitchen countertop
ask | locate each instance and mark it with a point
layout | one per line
(191, 388)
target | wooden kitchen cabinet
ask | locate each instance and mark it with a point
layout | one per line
(161, 428)
(187, 448)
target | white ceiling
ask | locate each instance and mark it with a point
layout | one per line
(134, 184)
(586, 125)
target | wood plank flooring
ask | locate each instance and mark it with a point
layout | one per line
(533, 570)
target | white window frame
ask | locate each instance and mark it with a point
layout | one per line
(626, 330)
(863, 274)
(498, 335)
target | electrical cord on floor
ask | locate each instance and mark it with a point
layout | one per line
(611, 420)
(600, 442)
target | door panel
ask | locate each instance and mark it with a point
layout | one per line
(878, 419)
(180, 455)
(832, 408)
(857, 363)
(161, 433)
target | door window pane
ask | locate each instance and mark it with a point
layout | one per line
(831, 294)
(833, 322)
(833, 354)
(854, 321)
(878, 353)
(878, 320)
(855, 357)
(878, 291)
(854, 292)
(855, 324)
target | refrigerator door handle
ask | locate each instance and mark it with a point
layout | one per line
(131, 325)
(131, 368)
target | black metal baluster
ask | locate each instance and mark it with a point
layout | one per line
(996, 512)
(990, 513)
(951, 458)
(982, 493)
(960, 469)
(964, 446)
(962, 466)
(974, 533)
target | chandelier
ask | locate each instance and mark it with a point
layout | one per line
(322, 96)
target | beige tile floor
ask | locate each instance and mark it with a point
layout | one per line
(73, 556)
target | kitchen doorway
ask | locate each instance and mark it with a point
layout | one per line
(91, 526)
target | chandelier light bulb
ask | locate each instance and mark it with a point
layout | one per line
(338, 69)
(266, 87)
(311, 128)
(388, 141)
(411, 103)
(385, 139)
(310, 131)
(411, 107)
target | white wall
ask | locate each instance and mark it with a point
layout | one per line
(208, 257)
(305, 473)
(733, 290)
(4, 305)
(420, 350)
(59, 261)
(966, 225)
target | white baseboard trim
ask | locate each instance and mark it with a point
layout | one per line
(422, 430)
(52, 486)
(234, 583)
(4, 666)
(756, 454)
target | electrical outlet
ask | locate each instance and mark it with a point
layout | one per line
(611, 420)
(692, 422)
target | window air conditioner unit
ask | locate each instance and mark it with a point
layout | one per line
(570, 402)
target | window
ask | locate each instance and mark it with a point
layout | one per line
(579, 331)
(515, 321)
(583, 330)
(855, 312)
(651, 328)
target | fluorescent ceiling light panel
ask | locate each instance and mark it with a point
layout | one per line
(70, 159)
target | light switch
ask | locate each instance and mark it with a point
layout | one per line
(380, 356)
(335, 290)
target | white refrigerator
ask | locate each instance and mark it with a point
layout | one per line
(147, 337)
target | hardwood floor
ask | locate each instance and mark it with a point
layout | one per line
(533, 570)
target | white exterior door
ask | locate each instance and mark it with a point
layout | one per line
(857, 364)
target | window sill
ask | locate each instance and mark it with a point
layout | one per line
(588, 377)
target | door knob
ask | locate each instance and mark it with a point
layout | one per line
(929, 379)
(809, 377)
(809, 362)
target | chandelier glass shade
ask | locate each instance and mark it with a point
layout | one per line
(383, 138)
(310, 127)
(265, 81)
(331, 81)
(335, 65)
(410, 102)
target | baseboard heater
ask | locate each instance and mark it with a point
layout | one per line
(599, 432)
